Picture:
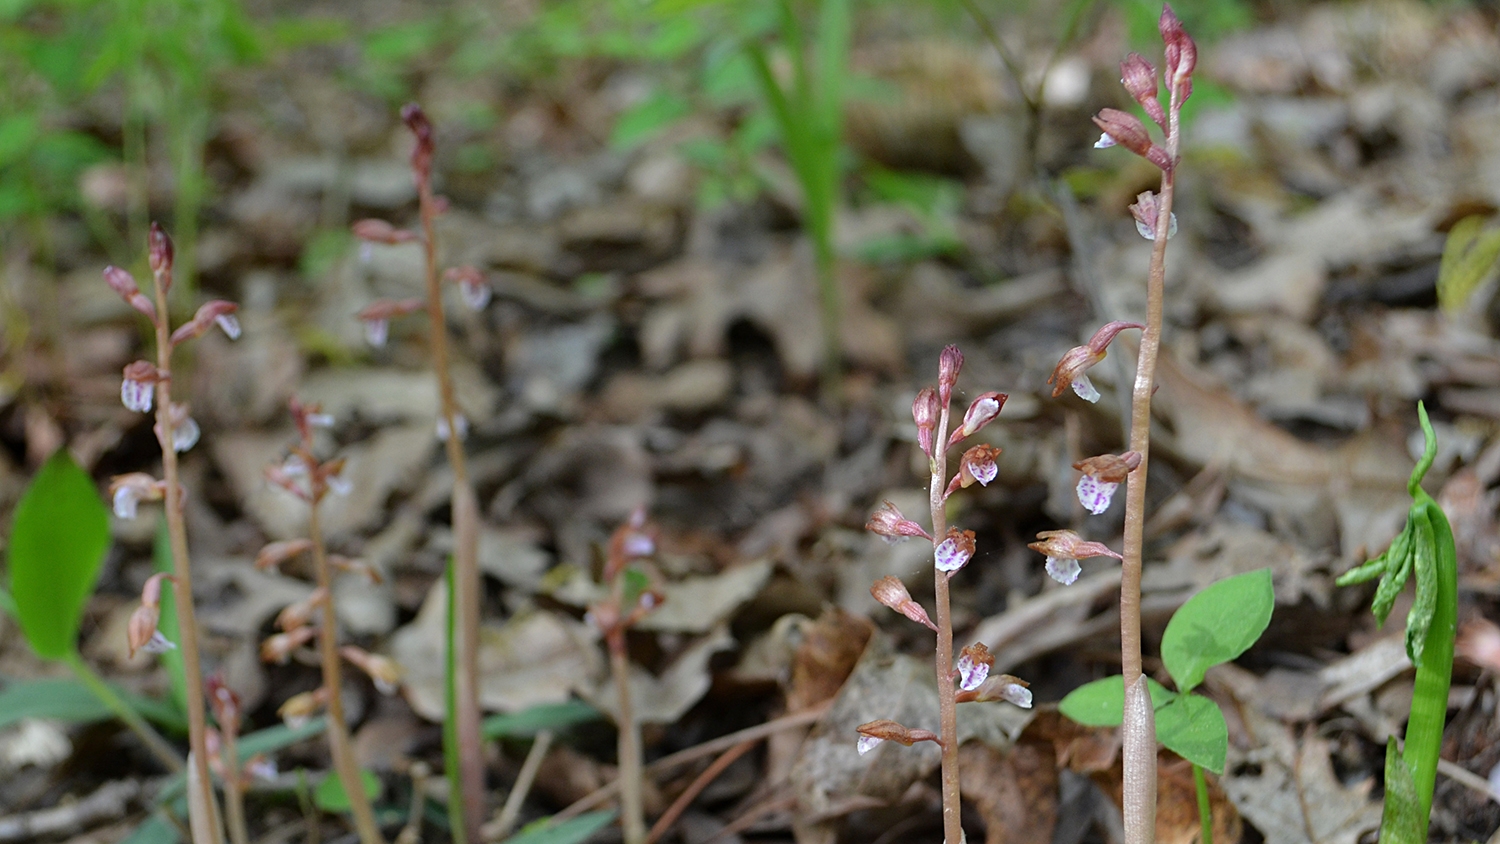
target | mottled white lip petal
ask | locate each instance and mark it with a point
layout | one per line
(971, 674)
(126, 502)
(1104, 142)
(377, 331)
(229, 324)
(948, 557)
(1095, 494)
(1150, 234)
(866, 744)
(1085, 389)
(1064, 570)
(136, 395)
(185, 435)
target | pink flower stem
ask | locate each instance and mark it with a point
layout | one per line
(1139, 728)
(465, 518)
(943, 661)
(205, 824)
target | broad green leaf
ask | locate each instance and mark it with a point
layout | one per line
(154, 830)
(546, 716)
(1193, 727)
(571, 831)
(57, 543)
(1402, 820)
(1217, 625)
(1102, 702)
(330, 795)
(69, 700)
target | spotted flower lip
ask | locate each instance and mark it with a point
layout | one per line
(954, 552)
(1102, 475)
(974, 666)
(891, 524)
(1064, 549)
(998, 687)
(976, 466)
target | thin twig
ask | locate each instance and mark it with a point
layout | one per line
(511, 811)
(695, 788)
(708, 748)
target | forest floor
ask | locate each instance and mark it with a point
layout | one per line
(648, 347)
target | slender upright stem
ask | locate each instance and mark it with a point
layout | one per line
(234, 786)
(339, 745)
(206, 826)
(953, 831)
(106, 695)
(1139, 735)
(632, 811)
(465, 517)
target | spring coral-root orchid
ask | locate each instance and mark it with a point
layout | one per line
(889, 523)
(875, 732)
(1103, 475)
(1072, 370)
(1064, 549)
(891, 592)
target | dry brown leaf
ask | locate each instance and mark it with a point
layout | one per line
(1015, 791)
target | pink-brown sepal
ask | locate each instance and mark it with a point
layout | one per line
(926, 410)
(379, 231)
(1179, 50)
(160, 252)
(891, 524)
(279, 552)
(875, 732)
(217, 312)
(949, 363)
(891, 592)
(1139, 79)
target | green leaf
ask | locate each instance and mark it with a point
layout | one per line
(547, 716)
(69, 700)
(1102, 702)
(1469, 256)
(648, 117)
(1217, 625)
(154, 830)
(1193, 727)
(57, 543)
(571, 831)
(330, 795)
(1402, 820)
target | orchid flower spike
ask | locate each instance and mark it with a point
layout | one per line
(1064, 549)
(1072, 370)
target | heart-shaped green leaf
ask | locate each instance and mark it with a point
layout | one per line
(1193, 727)
(1217, 625)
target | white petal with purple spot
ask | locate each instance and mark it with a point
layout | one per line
(1095, 494)
(1064, 570)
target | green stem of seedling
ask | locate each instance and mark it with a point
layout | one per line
(1205, 810)
(106, 695)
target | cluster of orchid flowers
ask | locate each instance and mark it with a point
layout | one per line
(622, 608)
(310, 479)
(222, 742)
(473, 287)
(143, 380)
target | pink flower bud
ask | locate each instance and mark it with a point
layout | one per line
(379, 231)
(279, 648)
(217, 312)
(224, 702)
(298, 614)
(954, 551)
(889, 523)
(128, 491)
(1145, 211)
(1126, 130)
(123, 283)
(982, 411)
(1139, 79)
(949, 363)
(160, 252)
(875, 732)
(974, 664)
(925, 411)
(476, 291)
(421, 155)
(277, 553)
(1180, 52)
(999, 687)
(1064, 549)
(891, 592)
(383, 670)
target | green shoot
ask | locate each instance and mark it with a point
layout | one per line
(1426, 546)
